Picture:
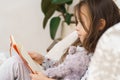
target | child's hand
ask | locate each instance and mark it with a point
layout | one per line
(38, 76)
(37, 57)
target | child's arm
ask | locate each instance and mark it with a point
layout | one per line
(49, 63)
(39, 76)
(77, 62)
(37, 57)
(44, 61)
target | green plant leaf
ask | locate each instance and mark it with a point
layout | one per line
(68, 18)
(70, 2)
(62, 9)
(60, 1)
(45, 5)
(48, 14)
(54, 23)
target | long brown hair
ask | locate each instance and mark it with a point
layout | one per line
(99, 9)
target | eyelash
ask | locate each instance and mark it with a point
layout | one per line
(76, 22)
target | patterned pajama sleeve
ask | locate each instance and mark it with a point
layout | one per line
(58, 71)
(74, 65)
(49, 63)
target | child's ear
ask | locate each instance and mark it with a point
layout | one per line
(102, 24)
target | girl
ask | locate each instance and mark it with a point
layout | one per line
(93, 18)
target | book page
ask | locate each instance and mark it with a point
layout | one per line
(28, 61)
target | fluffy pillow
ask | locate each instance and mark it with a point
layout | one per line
(105, 64)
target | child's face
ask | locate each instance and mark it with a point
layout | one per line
(83, 23)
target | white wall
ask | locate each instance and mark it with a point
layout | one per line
(23, 19)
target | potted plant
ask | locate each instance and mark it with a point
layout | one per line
(49, 7)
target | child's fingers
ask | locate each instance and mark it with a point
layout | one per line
(33, 76)
(36, 72)
(32, 54)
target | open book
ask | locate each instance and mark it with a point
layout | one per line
(28, 61)
(54, 54)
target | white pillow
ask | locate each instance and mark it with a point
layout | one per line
(105, 63)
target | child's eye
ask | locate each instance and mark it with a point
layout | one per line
(76, 21)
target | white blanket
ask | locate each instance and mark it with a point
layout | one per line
(2, 58)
